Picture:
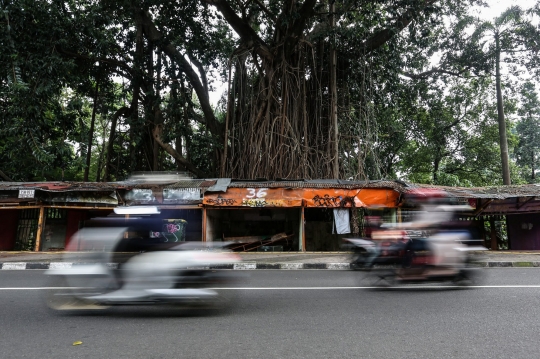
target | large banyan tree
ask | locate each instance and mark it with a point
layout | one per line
(306, 82)
(301, 78)
(301, 81)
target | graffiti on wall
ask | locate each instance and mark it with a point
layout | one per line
(221, 201)
(327, 201)
(172, 230)
(254, 202)
(333, 201)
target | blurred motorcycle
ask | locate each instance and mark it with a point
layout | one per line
(441, 257)
(435, 247)
(177, 274)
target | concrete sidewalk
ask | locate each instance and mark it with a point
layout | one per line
(255, 260)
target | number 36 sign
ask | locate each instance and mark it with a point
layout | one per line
(256, 192)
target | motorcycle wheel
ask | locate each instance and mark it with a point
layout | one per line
(358, 260)
(382, 278)
(468, 277)
(222, 301)
(62, 298)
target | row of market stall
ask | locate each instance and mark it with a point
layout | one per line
(286, 215)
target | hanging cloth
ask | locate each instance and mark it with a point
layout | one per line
(341, 218)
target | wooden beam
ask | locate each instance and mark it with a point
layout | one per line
(18, 207)
(41, 223)
(78, 207)
(519, 205)
(482, 207)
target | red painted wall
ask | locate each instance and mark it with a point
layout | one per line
(8, 228)
(74, 216)
(524, 231)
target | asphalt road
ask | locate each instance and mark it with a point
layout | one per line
(289, 314)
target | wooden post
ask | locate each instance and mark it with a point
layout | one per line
(41, 221)
(302, 232)
(204, 224)
(494, 246)
(126, 233)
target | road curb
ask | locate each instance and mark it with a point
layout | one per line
(243, 265)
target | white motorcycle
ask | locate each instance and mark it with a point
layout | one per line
(185, 275)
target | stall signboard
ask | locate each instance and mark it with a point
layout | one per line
(26, 193)
(140, 195)
(306, 197)
(255, 197)
(174, 195)
(83, 197)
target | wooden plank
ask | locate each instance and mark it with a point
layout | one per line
(41, 223)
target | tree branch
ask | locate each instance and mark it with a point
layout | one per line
(117, 63)
(202, 72)
(270, 14)
(154, 35)
(6, 178)
(170, 150)
(436, 70)
(299, 24)
(381, 37)
(246, 32)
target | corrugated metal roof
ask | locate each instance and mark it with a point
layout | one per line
(490, 192)
(194, 183)
(331, 183)
(60, 186)
(101, 186)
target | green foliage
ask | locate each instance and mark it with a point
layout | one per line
(399, 115)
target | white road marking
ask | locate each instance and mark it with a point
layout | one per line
(325, 288)
(14, 266)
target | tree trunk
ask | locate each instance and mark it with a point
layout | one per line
(91, 135)
(226, 134)
(533, 175)
(110, 143)
(157, 113)
(333, 97)
(100, 162)
(134, 108)
(503, 142)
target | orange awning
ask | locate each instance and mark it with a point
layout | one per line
(298, 197)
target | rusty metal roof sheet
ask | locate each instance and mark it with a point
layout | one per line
(194, 183)
(330, 183)
(101, 186)
(490, 192)
(60, 186)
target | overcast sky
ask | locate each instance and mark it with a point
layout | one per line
(496, 7)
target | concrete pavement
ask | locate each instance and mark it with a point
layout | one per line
(256, 260)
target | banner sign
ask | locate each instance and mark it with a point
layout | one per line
(181, 194)
(26, 193)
